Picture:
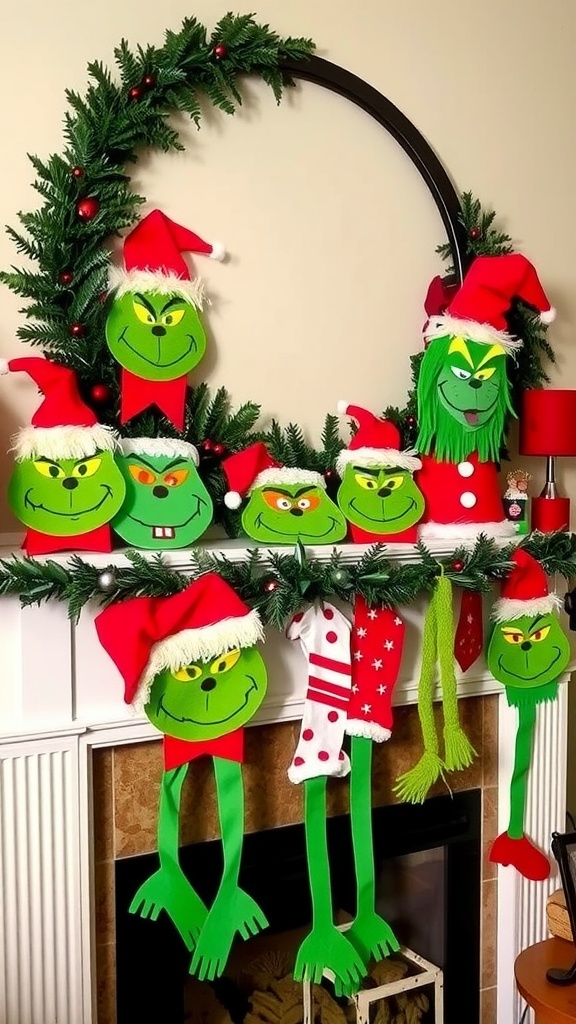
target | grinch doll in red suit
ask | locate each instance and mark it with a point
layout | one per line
(464, 397)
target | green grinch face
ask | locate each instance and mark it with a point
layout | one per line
(470, 382)
(285, 514)
(66, 497)
(166, 504)
(157, 337)
(529, 651)
(380, 499)
(206, 700)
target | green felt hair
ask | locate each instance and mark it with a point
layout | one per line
(439, 431)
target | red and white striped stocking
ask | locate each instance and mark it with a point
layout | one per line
(324, 634)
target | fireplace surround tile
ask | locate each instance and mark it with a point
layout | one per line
(488, 933)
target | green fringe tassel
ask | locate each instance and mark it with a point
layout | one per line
(413, 786)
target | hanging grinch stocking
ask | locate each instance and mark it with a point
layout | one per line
(527, 652)
(324, 634)
(377, 643)
(437, 645)
(191, 661)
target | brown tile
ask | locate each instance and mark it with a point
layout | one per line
(137, 774)
(490, 705)
(489, 897)
(487, 1006)
(106, 984)
(489, 829)
(104, 885)
(103, 803)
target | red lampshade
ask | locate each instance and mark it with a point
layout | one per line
(548, 422)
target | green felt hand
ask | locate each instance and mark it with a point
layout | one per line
(325, 948)
(231, 913)
(371, 936)
(168, 889)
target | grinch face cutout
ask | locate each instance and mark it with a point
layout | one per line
(205, 700)
(153, 327)
(528, 651)
(380, 499)
(65, 483)
(378, 494)
(65, 497)
(155, 336)
(166, 504)
(285, 505)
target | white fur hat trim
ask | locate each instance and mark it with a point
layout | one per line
(169, 447)
(387, 457)
(63, 442)
(484, 334)
(123, 281)
(507, 608)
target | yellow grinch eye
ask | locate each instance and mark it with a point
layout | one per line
(485, 374)
(49, 469)
(144, 315)
(512, 636)
(176, 477)
(141, 475)
(393, 482)
(539, 634)
(173, 318)
(367, 482)
(461, 374)
(225, 663)
(87, 468)
(189, 672)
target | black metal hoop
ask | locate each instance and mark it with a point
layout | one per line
(337, 79)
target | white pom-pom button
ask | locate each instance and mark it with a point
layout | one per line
(232, 499)
(342, 406)
(465, 468)
(548, 316)
(4, 368)
(218, 251)
(468, 500)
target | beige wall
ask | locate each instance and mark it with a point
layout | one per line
(331, 231)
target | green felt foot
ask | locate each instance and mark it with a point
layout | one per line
(372, 937)
(168, 889)
(325, 948)
(231, 913)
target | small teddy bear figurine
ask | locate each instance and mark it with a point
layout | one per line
(515, 499)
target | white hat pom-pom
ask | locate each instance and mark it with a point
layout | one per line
(4, 368)
(232, 499)
(548, 316)
(218, 251)
(342, 406)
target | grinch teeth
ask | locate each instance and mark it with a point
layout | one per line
(163, 532)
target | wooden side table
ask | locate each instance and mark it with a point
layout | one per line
(552, 1004)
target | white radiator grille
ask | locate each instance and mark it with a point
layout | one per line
(41, 974)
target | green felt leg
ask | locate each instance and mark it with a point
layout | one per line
(325, 946)
(519, 781)
(233, 910)
(370, 935)
(168, 888)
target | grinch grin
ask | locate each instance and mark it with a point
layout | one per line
(382, 518)
(169, 532)
(192, 346)
(75, 513)
(473, 417)
(210, 721)
(524, 677)
(260, 522)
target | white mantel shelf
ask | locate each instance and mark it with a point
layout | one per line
(61, 697)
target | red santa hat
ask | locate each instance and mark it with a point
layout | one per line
(147, 635)
(254, 467)
(524, 591)
(375, 443)
(154, 263)
(63, 427)
(167, 447)
(478, 310)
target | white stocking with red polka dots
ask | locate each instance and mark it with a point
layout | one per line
(324, 634)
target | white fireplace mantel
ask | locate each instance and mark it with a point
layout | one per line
(61, 697)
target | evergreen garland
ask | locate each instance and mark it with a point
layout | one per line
(278, 584)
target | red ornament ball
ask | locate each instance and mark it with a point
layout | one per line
(66, 277)
(219, 449)
(135, 93)
(78, 172)
(100, 394)
(207, 445)
(220, 51)
(329, 474)
(77, 330)
(149, 81)
(474, 234)
(457, 566)
(271, 586)
(87, 208)
(411, 421)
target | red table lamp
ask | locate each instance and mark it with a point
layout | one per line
(548, 428)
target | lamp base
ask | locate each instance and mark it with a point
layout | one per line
(550, 514)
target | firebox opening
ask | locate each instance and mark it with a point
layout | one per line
(428, 860)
